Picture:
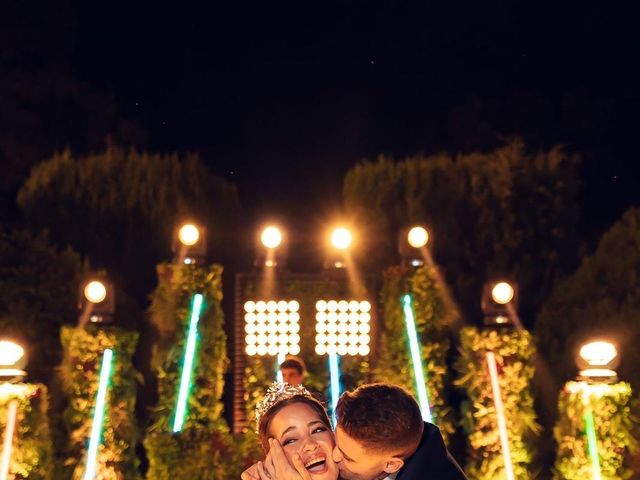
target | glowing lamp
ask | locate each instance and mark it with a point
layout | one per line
(271, 237)
(412, 245)
(341, 238)
(342, 327)
(95, 291)
(189, 243)
(502, 293)
(188, 234)
(12, 360)
(499, 303)
(272, 328)
(418, 237)
(96, 300)
(597, 361)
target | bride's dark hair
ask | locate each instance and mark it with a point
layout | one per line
(267, 416)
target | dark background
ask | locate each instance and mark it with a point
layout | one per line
(283, 98)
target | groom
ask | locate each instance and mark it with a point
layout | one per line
(380, 435)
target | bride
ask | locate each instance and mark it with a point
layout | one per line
(296, 436)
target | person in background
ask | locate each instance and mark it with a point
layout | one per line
(293, 371)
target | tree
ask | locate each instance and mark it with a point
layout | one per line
(38, 289)
(503, 213)
(120, 208)
(600, 299)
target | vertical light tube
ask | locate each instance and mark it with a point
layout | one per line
(98, 415)
(502, 423)
(416, 359)
(592, 442)
(12, 415)
(334, 372)
(187, 365)
(281, 358)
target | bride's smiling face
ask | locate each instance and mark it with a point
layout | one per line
(299, 429)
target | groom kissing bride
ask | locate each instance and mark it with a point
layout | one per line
(380, 435)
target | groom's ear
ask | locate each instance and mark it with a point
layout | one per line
(393, 465)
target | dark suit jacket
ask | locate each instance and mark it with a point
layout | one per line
(431, 461)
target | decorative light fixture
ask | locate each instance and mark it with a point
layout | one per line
(272, 327)
(96, 300)
(342, 328)
(271, 248)
(499, 302)
(13, 359)
(412, 243)
(189, 243)
(500, 415)
(416, 358)
(98, 415)
(187, 365)
(597, 361)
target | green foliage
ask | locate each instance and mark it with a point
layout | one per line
(31, 453)
(176, 455)
(615, 430)
(505, 212)
(601, 299)
(514, 352)
(261, 371)
(80, 372)
(433, 319)
(120, 207)
(38, 294)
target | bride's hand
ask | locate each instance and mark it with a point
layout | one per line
(251, 473)
(277, 466)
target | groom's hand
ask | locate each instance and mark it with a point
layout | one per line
(278, 463)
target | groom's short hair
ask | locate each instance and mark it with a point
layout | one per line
(382, 418)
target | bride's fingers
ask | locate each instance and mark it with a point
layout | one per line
(277, 456)
(269, 466)
(300, 468)
(262, 473)
(250, 473)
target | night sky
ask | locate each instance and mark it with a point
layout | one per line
(283, 98)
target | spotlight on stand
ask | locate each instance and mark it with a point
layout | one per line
(412, 243)
(597, 361)
(96, 301)
(340, 241)
(13, 359)
(499, 303)
(189, 244)
(271, 248)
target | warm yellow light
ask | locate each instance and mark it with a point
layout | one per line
(10, 353)
(250, 306)
(502, 293)
(272, 306)
(251, 350)
(262, 350)
(294, 328)
(271, 237)
(341, 238)
(332, 305)
(321, 349)
(294, 306)
(188, 234)
(364, 350)
(418, 237)
(598, 354)
(365, 306)
(95, 291)
(261, 306)
(321, 327)
(294, 349)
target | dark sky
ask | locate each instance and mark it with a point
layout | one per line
(282, 98)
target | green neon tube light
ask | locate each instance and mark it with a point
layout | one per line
(416, 359)
(590, 430)
(98, 415)
(187, 366)
(334, 372)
